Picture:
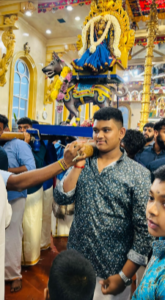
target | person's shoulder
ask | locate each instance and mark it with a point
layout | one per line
(135, 166)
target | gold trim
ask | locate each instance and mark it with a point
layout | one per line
(45, 247)
(82, 100)
(32, 87)
(30, 263)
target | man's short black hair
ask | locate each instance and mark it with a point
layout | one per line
(160, 173)
(4, 121)
(108, 113)
(134, 141)
(151, 125)
(159, 125)
(25, 120)
(72, 277)
(35, 122)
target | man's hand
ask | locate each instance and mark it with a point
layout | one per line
(73, 150)
(113, 285)
(27, 137)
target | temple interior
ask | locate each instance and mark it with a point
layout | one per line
(37, 35)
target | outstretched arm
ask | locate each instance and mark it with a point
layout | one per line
(35, 177)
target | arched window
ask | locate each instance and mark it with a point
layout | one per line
(20, 90)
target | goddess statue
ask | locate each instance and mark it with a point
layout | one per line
(103, 58)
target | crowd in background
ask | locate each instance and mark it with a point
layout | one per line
(106, 195)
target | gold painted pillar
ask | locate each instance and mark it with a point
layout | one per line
(152, 28)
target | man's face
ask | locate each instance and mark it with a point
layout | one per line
(23, 127)
(107, 135)
(160, 137)
(155, 211)
(1, 128)
(148, 133)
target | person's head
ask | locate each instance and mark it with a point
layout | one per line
(71, 277)
(155, 211)
(108, 130)
(159, 134)
(34, 122)
(3, 123)
(133, 142)
(148, 131)
(24, 124)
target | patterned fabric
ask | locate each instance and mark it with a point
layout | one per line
(152, 285)
(109, 224)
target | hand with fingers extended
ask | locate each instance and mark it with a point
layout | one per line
(74, 153)
(113, 285)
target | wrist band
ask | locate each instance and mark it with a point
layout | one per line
(61, 165)
(79, 167)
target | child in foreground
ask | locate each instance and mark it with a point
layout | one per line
(152, 285)
(72, 277)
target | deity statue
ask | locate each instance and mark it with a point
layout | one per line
(161, 107)
(102, 58)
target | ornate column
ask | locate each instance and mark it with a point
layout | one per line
(152, 28)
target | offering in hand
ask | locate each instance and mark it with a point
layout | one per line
(88, 150)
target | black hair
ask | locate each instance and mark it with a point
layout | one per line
(4, 121)
(151, 125)
(158, 125)
(35, 122)
(25, 120)
(160, 173)
(108, 113)
(134, 141)
(72, 277)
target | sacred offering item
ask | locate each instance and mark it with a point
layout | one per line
(89, 150)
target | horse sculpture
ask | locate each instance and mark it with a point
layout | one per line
(80, 92)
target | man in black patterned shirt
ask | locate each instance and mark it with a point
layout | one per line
(110, 192)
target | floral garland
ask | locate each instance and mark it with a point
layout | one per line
(111, 20)
(61, 86)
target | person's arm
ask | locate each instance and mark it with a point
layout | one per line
(142, 244)
(18, 170)
(70, 181)
(35, 177)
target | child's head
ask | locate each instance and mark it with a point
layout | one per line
(72, 277)
(155, 212)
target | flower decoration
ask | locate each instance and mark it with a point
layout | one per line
(61, 86)
(90, 25)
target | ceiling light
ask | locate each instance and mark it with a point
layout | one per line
(126, 78)
(26, 34)
(28, 13)
(77, 18)
(48, 31)
(69, 8)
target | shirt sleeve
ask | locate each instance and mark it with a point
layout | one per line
(60, 196)
(160, 289)
(142, 243)
(5, 175)
(25, 156)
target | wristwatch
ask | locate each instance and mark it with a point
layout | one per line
(126, 280)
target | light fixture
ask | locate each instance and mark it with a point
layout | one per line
(66, 47)
(26, 34)
(28, 13)
(126, 78)
(77, 18)
(48, 31)
(69, 8)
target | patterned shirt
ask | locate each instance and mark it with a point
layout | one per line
(152, 285)
(109, 224)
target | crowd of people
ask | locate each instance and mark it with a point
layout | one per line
(117, 197)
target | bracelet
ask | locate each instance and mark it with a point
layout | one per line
(59, 161)
(79, 167)
(64, 164)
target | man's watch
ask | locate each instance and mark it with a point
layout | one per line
(126, 280)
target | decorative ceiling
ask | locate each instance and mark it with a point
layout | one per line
(139, 9)
(61, 4)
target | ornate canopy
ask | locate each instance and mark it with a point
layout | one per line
(139, 9)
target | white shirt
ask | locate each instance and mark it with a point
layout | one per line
(5, 218)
